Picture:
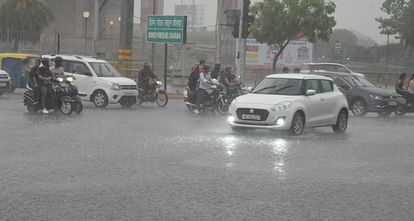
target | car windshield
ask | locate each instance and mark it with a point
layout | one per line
(104, 69)
(358, 81)
(280, 86)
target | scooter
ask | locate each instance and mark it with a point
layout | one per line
(404, 107)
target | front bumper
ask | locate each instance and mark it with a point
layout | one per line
(383, 105)
(115, 96)
(273, 120)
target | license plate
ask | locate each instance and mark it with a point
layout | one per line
(392, 103)
(250, 117)
(3, 84)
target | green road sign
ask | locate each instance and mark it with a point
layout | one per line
(167, 29)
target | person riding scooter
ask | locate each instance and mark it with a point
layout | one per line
(146, 78)
(45, 82)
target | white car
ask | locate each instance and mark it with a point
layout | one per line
(329, 67)
(291, 102)
(98, 81)
(4, 82)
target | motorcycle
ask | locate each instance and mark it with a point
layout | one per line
(403, 107)
(154, 94)
(215, 100)
(63, 97)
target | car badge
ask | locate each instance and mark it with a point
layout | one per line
(251, 111)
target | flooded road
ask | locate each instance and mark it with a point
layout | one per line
(148, 163)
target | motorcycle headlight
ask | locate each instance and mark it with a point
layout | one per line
(59, 79)
(159, 83)
(376, 97)
(280, 106)
(185, 93)
(116, 87)
(70, 79)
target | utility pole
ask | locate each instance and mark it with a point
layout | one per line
(127, 26)
(218, 30)
(154, 11)
(241, 52)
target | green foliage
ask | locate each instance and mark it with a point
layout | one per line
(278, 21)
(29, 16)
(400, 20)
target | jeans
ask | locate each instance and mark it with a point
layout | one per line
(201, 94)
(44, 95)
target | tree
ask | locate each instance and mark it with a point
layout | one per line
(29, 16)
(400, 20)
(279, 21)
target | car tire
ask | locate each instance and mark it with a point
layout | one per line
(100, 99)
(298, 124)
(359, 107)
(341, 122)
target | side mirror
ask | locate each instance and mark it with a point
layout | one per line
(310, 92)
(250, 89)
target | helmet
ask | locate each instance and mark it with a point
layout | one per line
(58, 61)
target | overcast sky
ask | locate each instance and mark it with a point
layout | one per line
(356, 15)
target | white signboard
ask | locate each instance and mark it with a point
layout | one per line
(260, 56)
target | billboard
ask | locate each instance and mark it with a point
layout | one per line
(260, 56)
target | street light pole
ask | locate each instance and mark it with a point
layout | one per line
(86, 15)
(387, 52)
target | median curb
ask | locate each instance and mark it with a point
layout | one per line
(173, 96)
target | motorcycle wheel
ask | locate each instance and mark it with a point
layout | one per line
(399, 111)
(66, 108)
(140, 100)
(78, 107)
(222, 107)
(162, 99)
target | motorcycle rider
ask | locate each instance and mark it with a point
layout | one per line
(229, 80)
(33, 81)
(145, 78)
(216, 71)
(45, 82)
(203, 84)
(57, 69)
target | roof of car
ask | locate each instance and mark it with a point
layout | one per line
(323, 72)
(75, 57)
(298, 76)
(324, 64)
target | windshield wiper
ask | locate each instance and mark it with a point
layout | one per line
(282, 88)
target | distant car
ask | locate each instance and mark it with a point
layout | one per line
(362, 95)
(98, 81)
(291, 102)
(329, 67)
(5, 82)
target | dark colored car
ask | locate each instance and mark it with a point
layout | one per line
(362, 95)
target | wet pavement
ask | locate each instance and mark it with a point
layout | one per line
(148, 163)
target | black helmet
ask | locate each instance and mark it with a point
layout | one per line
(58, 61)
(45, 61)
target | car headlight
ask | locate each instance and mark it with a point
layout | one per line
(376, 97)
(280, 106)
(116, 87)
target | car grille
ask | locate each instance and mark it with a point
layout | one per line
(251, 111)
(128, 87)
(3, 76)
